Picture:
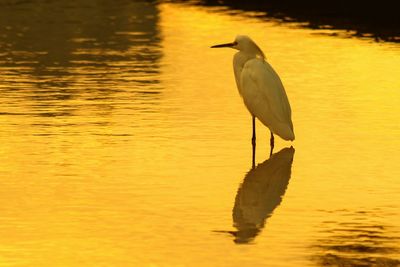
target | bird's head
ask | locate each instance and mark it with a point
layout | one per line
(244, 44)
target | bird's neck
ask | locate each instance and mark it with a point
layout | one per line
(241, 58)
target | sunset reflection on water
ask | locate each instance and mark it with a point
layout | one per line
(124, 140)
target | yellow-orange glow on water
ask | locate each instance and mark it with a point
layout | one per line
(124, 142)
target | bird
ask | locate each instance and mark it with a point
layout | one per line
(261, 89)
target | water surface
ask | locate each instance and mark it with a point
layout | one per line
(124, 142)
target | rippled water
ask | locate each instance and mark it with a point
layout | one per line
(124, 142)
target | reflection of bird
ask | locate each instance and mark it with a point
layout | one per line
(260, 193)
(261, 89)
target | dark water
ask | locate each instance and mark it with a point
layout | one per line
(361, 19)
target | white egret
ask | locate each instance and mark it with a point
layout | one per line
(261, 89)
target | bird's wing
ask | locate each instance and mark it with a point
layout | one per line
(264, 94)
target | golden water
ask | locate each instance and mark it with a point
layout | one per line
(124, 142)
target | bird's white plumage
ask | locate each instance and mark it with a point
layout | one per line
(261, 88)
(265, 97)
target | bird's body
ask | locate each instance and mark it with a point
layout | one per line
(264, 96)
(261, 88)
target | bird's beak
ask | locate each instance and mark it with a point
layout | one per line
(224, 45)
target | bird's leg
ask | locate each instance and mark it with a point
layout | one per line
(253, 142)
(271, 142)
(253, 139)
(253, 161)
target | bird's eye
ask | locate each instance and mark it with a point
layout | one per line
(235, 43)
